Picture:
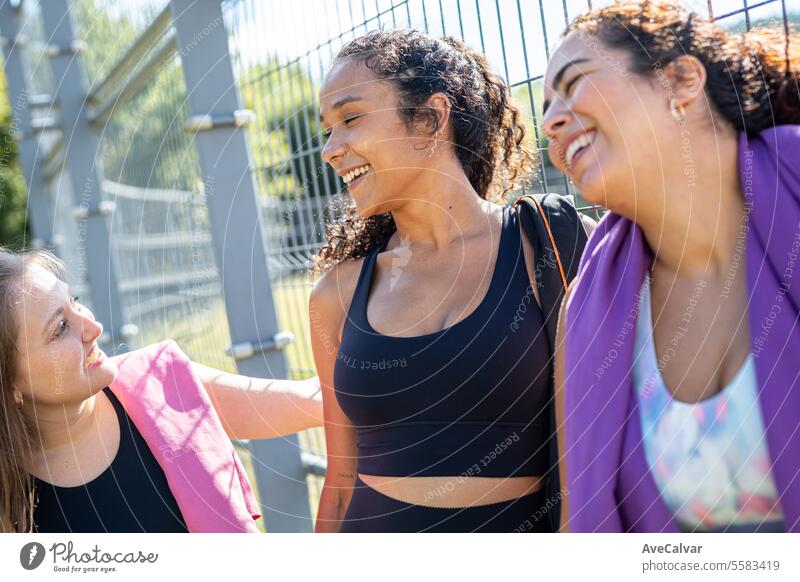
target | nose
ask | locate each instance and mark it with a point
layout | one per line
(92, 329)
(557, 116)
(334, 149)
(554, 123)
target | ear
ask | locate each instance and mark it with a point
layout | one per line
(688, 78)
(440, 105)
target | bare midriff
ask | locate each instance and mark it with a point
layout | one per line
(451, 492)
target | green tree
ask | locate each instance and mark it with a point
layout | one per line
(523, 96)
(143, 142)
(285, 131)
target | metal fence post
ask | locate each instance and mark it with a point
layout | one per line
(82, 160)
(41, 221)
(238, 239)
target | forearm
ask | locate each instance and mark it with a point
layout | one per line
(330, 511)
(254, 408)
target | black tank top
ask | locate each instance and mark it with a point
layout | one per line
(471, 399)
(132, 495)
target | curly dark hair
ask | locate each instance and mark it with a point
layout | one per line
(752, 78)
(488, 131)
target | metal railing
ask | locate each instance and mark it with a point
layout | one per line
(132, 124)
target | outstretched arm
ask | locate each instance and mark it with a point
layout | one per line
(257, 408)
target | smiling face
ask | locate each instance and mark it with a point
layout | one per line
(59, 361)
(368, 144)
(608, 127)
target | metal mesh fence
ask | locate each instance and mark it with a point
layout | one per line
(109, 28)
(160, 239)
(40, 76)
(66, 229)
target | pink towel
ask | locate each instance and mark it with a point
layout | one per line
(172, 410)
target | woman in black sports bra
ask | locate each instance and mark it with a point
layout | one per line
(427, 333)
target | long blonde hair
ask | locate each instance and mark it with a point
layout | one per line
(17, 435)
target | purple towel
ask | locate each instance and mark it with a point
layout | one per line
(609, 485)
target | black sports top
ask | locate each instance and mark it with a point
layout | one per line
(471, 399)
(132, 495)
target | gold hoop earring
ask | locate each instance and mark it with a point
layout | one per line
(678, 112)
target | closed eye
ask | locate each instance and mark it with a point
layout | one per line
(568, 87)
(346, 121)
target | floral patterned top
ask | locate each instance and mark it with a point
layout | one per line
(709, 459)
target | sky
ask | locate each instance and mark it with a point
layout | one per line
(293, 28)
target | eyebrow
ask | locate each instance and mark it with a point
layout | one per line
(559, 77)
(341, 103)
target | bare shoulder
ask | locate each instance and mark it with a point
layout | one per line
(332, 294)
(589, 223)
(530, 262)
(336, 287)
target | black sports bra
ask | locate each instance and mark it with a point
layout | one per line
(132, 495)
(471, 399)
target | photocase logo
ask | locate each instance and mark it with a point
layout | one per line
(31, 555)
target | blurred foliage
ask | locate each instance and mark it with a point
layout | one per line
(285, 139)
(107, 37)
(143, 142)
(529, 98)
(13, 194)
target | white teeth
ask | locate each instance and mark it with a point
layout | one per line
(353, 174)
(580, 142)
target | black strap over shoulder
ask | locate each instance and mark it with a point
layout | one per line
(554, 228)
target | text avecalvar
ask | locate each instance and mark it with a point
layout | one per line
(671, 549)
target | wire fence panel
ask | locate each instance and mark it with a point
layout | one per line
(40, 87)
(72, 237)
(40, 80)
(160, 238)
(109, 27)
